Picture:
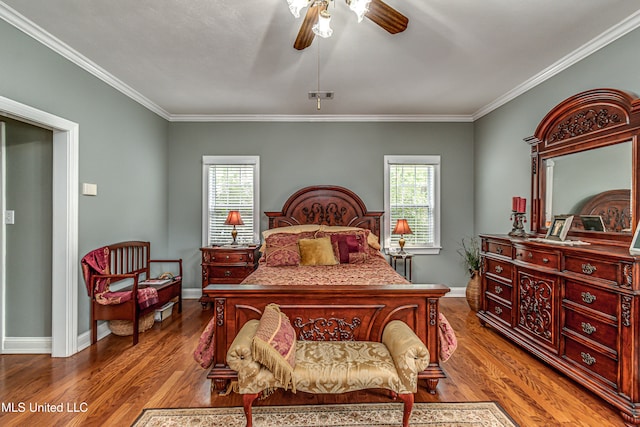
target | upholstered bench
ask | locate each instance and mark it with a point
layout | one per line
(331, 366)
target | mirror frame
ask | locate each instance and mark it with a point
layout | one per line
(591, 119)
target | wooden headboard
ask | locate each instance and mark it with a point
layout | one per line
(325, 205)
(614, 206)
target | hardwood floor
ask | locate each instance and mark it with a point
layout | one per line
(111, 382)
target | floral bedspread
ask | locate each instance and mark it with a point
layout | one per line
(375, 271)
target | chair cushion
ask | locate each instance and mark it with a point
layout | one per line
(343, 366)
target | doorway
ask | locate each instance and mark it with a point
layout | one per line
(64, 247)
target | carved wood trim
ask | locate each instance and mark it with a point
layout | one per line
(326, 329)
(326, 205)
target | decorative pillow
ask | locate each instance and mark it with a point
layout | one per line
(358, 257)
(346, 244)
(317, 252)
(282, 250)
(274, 345)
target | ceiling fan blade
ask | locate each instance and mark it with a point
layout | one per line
(387, 17)
(306, 34)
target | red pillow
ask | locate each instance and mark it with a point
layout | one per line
(347, 244)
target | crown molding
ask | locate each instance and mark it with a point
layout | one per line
(23, 24)
(612, 34)
(316, 118)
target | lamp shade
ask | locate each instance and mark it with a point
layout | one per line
(402, 227)
(234, 218)
(359, 7)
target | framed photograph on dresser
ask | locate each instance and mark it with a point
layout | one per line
(559, 227)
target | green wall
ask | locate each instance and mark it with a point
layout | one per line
(502, 163)
(295, 155)
(122, 149)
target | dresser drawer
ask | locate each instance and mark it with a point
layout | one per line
(498, 268)
(498, 248)
(499, 289)
(592, 360)
(538, 257)
(499, 310)
(595, 299)
(594, 329)
(592, 268)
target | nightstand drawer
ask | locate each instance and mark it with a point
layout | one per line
(593, 298)
(537, 257)
(498, 268)
(231, 257)
(229, 272)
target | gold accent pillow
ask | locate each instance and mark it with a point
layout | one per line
(317, 252)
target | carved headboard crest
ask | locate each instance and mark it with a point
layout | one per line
(325, 205)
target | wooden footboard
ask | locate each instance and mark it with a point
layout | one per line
(329, 313)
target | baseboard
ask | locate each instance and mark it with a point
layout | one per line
(456, 292)
(191, 293)
(26, 345)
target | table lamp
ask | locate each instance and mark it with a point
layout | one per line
(234, 219)
(402, 228)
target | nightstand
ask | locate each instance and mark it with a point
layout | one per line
(407, 261)
(227, 264)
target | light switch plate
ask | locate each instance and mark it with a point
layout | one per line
(89, 189)
(9, 217)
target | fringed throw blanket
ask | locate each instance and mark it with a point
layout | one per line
(97, 262)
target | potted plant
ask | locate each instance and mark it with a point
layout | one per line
(470, 252)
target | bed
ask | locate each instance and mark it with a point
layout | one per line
(351, 297)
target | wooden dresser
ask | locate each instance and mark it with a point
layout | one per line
(575, 304)
(227, 265)
(571, 306)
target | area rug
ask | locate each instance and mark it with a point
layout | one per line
(483, 414)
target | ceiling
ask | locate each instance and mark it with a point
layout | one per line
(234, 59)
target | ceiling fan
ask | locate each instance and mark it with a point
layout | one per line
(375, 10)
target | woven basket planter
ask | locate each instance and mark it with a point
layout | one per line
(125, 327)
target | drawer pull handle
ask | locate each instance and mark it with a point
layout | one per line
(588, 328)
(588, 297)
(588, 268)
(498, 269)
(498, 310)
(227, 256)
(498, 289)
(227, 273)
(588, 359)
(499, 250)
(545, 260)
(530, 255)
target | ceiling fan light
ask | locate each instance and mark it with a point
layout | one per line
(322, 28)
(359, 7)
(295, 6)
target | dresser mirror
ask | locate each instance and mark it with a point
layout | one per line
(575, 181)
(585, 159)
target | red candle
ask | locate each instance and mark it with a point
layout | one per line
(514, 204)
(522, 204)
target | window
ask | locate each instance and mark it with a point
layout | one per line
(412, 192)
(230, 183)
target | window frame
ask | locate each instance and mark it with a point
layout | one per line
(430, 160)
(207, 162)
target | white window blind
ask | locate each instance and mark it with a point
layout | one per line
(412, 193)
(231, 184)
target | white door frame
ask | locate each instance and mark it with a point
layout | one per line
(64, 250)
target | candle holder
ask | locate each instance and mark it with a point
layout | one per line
(519, 218)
